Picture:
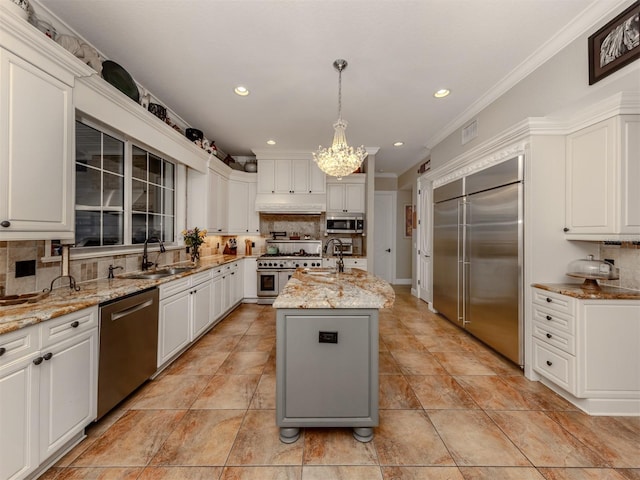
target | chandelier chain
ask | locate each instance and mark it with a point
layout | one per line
(340, 93)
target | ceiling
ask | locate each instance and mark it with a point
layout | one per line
(192, 53)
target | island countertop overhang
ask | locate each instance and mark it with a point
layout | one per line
(353, 288)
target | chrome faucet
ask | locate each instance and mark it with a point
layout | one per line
(340, 262)
(146, 264)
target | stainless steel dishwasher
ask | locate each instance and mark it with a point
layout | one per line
(128, 346)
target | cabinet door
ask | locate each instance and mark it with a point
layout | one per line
(68, 386)
(317, 179)
(222, 196)
(238, 207)
(300, 176)
(173, 328)
(591, 172)
(217, 302)
(201, 299)
(630, 175)
(250, 278)
(335, 197)
(36, 141)
(18, 418)
(354, 197)
(267, 176)
(282, 180)
(238, 284)
(253, 220)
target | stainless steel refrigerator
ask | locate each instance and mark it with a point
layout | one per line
(478, 255)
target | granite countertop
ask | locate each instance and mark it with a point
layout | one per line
(64, 300)
(574, 290)
(354, 288)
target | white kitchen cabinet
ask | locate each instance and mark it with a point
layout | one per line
(217, 288)
(208, 200)
(346, 196)
(360, 263)
(243, 218)
(602, 178)
(590, 349)
(48, 388)
(184, 313)
(289, 176)
(250, 279)
(36, 144)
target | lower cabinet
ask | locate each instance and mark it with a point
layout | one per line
(192, 304)
(349, 262)
(590, 349)
(48, 385)
(185, 313)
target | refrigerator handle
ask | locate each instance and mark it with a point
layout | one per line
(461, 261)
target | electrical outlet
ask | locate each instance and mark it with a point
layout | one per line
(25, 268)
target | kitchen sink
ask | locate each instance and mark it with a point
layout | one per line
(319, 271)
(158, 273)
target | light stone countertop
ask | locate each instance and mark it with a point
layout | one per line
(354, 288)
(64, 300)
(574, 290)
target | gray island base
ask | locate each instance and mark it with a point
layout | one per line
(327, 352)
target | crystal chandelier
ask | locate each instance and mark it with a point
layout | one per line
(340, 159)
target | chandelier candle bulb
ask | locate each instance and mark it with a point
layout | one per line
(340, 159)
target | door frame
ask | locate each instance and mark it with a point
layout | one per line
(392, 221)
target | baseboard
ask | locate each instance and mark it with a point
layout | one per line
(402, 281)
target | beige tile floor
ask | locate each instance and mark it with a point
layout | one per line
(450, 409)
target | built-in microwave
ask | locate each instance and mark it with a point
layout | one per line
(347, 223)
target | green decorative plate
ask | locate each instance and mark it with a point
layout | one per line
(120, 78)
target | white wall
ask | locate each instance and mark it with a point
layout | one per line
(560, 84)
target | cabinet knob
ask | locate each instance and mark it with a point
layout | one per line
(47, 356)
(549, 300)
(549, 335)
(2, 351)
(565, 229)
(37, 361)
(5, 223)
(549, 363)
(549, 317)
(75, 324)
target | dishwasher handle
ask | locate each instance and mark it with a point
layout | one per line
(128, 311)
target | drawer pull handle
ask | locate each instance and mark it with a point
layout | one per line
(5, 223)
(75, 324)
(37, 361)
(2, 351)
(549, 317)
(549, 335)
(47, 356)
(549, 363)
(549, 300)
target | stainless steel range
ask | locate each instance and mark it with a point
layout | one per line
(275, 268)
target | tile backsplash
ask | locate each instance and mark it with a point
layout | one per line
(86, 269)
(626, 256)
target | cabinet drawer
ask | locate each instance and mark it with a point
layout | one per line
(555, 301)
(19, 343)
(197, 278)
(61, 328)
(171, 288)
(566, 343)
(557, 366)
(554, 319)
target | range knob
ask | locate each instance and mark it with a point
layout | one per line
(270, 264)
(297, 265)
(281, 265)
(304, 264)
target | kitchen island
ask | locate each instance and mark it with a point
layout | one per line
(327, 351)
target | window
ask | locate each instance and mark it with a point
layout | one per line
(124, 194)
(152, 197)
(99, 188)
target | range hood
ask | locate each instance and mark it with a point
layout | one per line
(312, 203)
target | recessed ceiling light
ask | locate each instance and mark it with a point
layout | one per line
(242, 91)
(271, 142)
(443, 92)
(398, 144)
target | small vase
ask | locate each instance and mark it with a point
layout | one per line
(195, 254)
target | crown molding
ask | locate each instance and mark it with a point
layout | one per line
(592, 15)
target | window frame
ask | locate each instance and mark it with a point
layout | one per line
(179, 195)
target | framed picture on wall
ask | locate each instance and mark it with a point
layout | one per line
(615, 45)
(408, 220)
